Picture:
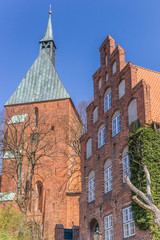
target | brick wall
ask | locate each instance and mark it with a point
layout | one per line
(114, 201)
(58, 207)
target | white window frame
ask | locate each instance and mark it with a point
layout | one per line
(107, 101)
(101, 137)
(95, 115)
(108, 179)
(89, 148)
(126, 164)
(91, 189)
(128, 223)
(108, 227)
(116, 125)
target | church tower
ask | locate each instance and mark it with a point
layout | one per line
(41, 97)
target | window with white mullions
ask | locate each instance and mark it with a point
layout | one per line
(108, 227)
(107, 100)
(101, 136)
(108, 179)
(128, 223)
(125, 161)
(116, 125)
(91, 190)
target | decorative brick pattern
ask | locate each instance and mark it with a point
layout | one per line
(137, 88)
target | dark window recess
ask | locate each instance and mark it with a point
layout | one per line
(40, 189)
(34, 137)
(36, 117)
(68, 234)
(52, 128)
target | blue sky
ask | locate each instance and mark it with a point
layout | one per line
(80, 27)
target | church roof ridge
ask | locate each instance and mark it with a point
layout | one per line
(41, 83)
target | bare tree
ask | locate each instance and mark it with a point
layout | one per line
(147, 202)
(72, 132)
(24, 145)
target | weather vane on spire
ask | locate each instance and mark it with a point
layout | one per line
(50, 11)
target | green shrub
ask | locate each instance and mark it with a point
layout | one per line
(12, 225)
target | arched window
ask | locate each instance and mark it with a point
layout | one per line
(125, 163)
(91, 186)
(40, 195)
(108, 176)
(121, 88)
(107, 100)
(101, 136)
(106, 60)
(95, 115)
(132, 111)
(116, 123)
(114, 68)
(99, 83)
(106, 77)
(36, 117)
(89, 148)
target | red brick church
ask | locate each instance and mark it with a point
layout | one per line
(41, 95)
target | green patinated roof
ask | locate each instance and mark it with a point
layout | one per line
(41, 83)
(7, 196)
(49, 32)
(18, 118)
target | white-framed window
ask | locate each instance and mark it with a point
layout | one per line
(89, 148)
(125, 161)
(108, 179)
(128, 223)
(121, 89)
(91, 186)
(106, 60)
(116, 124)
(108, 227)
(107, 100)
(106, 77)
(101, 136)
(114, 67)
(95, 115)
(132, 111)
(99, 83)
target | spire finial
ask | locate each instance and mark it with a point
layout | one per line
(50, 11)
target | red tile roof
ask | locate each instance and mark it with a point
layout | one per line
(153, 79)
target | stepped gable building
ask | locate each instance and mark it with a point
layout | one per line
(41, 94)
(123, 95)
